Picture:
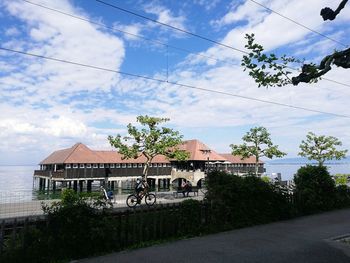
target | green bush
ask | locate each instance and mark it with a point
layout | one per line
(341, 179)
(242, 201)
(74, 229)
(342, 196)
(189, 217)
(314, 190)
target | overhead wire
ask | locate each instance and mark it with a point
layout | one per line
(202, 37)
(115, 29)
(172, 27)
(297, 23)
(170, 82)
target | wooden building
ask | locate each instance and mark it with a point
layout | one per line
(79, 166)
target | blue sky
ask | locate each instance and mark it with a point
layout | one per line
(47, 105)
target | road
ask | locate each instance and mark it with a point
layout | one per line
(307, 239)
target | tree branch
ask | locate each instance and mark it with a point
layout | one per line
(311, 72)
(328, 14)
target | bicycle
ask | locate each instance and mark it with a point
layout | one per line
(134, 199)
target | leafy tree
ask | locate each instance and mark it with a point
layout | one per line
(149, 141)
(314, 189)
(237, 201)
(257, 143)
(269, 70)
(321, 148)
(341, 179)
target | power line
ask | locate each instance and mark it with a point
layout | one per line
(173, 27)
(299, 24)
(206, 38)
(170, 82)
(127, 33)
(154, 41)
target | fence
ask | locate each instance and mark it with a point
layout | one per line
(20, 204)
(132, 227)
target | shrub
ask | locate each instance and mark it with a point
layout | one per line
(314, 189)
(241, 201)
(341, 179)
(342, 196)
(74, 229)
(189, 218)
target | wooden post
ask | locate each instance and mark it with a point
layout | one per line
(14, 233)
(119, 234)
(81, 185)
(70, 185)
(75, 185)
(89, 185)
(141, 225)
(2, 233)
(24, 232)
(53, 186)
(126, 228)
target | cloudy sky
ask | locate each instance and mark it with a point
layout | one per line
(47, 105)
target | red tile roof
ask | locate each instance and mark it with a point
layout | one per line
(238, 159)
(200, 152)
(80, 153)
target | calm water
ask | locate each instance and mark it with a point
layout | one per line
(16, 182)
(288, 170)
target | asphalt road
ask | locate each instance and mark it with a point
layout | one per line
(307, 239)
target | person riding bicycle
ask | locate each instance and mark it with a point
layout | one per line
(107, 196)
(140, 186)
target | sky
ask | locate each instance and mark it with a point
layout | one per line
(49, 105)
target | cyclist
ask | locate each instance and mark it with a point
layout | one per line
(140, 187)
(107, 196)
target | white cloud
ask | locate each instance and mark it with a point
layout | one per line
(65, 127)
(241, 12)
(164, 15)
(207, 4)
(55, 35)
(12, 31)
(133, 29)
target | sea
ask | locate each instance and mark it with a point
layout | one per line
(16, 182)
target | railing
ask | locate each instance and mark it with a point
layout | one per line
(132, 226)
(54, 174)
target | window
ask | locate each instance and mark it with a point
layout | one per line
(150, 165)
(112, 165)
(102, 165)
(159, 165)
(81, 165)
(140, 164)
(75, 165)
(134, 165)
(95, 165)
(88, 165)
(164, 164)
(124, 165)
(107, 165)
(117, 165)
(168, 165)
(67, 166)
(129, 165)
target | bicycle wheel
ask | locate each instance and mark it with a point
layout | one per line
(131, 201)
(150, 199)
